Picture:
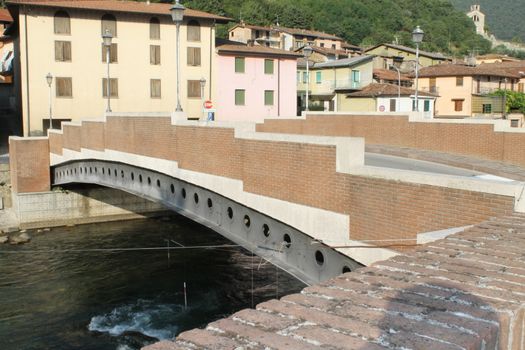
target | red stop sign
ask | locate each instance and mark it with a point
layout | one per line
(208, 104)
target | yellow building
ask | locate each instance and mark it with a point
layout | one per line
(466, 91)
(403, 57)
(64, 38)
(331, 81)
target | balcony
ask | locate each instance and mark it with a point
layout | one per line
(430, 89)
(329, 86)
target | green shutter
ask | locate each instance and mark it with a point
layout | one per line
(268, 66)
(239, 97)
(318, 77)
(268, 97)
(427, 106)
(239, 64)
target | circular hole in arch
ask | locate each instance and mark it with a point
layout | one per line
(85, 170)
(247, 221)
(230, 212)
(132, 177)
(103, 171)
(75, 170)
(109, 172)
(196, 198)
(90, 170)
(81, 170)
(266, 230)
(319, 258)
(346, 269)
(122, 173)
(140, 177)
(115, 172)
(287, 240)
(158, 183)
(96, 170)
(183, 192)
(210, 203)
(149, 180)
(172, 188)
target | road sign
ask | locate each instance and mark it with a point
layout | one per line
(208, 104)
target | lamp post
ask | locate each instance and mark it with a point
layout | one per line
(177, 14)
(398, 86)
(307, 52)
(106, 39)
(417, 38)
(203, 84)
(49, 79)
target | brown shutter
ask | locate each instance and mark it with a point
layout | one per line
(64, 87)
(62, 23)
(194, 88)
(154, 54)
(58, 51)
(193, 31)
(155, 88)
(113, 54)
(197, 56)
(113, 87)
(154, 29)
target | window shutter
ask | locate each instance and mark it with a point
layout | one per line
(67, 50)
(268, 97)
(154, 54)
(268, 66)
(62, 23)
(239, 97)
(64, 87)
(58, 51)
(194, 88)
(194, 56)
(154, 29)
(113, 87)
(393, 103)
(109, 22)
(239, 64)
(155, 88)
(113, 54)
(193, 31)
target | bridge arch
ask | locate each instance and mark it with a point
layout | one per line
(294, 251)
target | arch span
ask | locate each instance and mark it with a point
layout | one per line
(297, 253)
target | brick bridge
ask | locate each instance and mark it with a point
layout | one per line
(296, 192)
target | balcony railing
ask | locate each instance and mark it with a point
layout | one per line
(430, 89)
(329, 86)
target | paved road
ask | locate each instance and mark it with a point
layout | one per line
(393, 162)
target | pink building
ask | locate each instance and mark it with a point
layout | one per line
(255, 82)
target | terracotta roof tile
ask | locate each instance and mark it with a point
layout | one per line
(377, 90)
(255, 51)
(451, 70)
(5, 16)
(292, 31)
(386, 74)
(119, 6)
(411, 50)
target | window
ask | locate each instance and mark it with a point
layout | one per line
(194, 88)
(426, 106)
(239, 97)
(322, 44)
(333, 46)
(154, 28)
(268, 97)
(487, 108)
(318, 77)
(109, 22)
(194, 31)
(459, 81)
(298, 77)
(113, 87)
(356, 76)
(155, 91)
(305, 77)
(62, 23)
(154, 54)
(113, 53)
(393, 103)
(239, 64)
(520, 87)
(458, 105)
(268, 66)
(194, 56)
(63, 51)
(64, 87)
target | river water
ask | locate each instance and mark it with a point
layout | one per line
(59, 292)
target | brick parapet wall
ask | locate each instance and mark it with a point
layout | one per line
(302, 173)
(29, 164)
(477, 140)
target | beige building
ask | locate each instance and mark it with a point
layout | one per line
(64, 38)
(283, 38)
(331, 81)
(466, 91)
(403, 57)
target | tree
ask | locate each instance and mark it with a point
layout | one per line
(515, 100)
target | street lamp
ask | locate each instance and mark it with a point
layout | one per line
(417, 38)
(398, 86)
(307, 52)
(49, 79)
(203, 84)
(106, 39)
(177, 14)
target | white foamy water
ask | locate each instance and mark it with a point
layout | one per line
(145, 316)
